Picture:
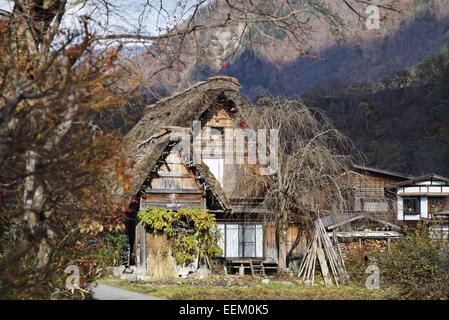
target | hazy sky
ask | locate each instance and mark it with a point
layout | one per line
(126, 15)
(133, 15)
(5, 5)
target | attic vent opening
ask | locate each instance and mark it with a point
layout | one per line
(216, 166)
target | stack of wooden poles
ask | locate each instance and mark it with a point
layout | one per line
(329, 258)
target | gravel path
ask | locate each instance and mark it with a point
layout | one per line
(106, 292)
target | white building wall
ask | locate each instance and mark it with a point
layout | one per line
(412, 217)
(428, 183)
(411, 189)
(424, 207)
(435, 189)
(216, 166)
(400, 208)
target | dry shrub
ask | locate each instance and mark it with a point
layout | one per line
(358, 258)
(418, 267)
(356, 263)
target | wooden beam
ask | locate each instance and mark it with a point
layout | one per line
(335, 225)
(369, 234)
(150, 191)
(363, 216)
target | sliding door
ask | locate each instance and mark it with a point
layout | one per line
(241, 240)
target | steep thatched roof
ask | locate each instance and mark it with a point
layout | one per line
(145, 142)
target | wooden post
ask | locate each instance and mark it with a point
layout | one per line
(388, 245)
(137, 245)
(323, 266)
(143, 247)
(251, 268)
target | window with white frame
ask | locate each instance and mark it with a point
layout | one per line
(241, 240)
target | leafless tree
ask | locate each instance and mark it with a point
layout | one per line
(313, 156)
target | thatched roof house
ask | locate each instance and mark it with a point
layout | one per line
(146, 141)
(159, 174)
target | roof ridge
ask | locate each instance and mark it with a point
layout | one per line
(419, 178)
(199, 84)
(384, 171)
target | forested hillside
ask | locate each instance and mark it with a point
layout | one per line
(386, 89)
(389, 94)
(401, 123)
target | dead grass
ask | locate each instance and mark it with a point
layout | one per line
(247, 290)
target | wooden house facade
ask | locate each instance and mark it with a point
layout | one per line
(371, 209)
(368, 189)
(382, 202)
(162, 174)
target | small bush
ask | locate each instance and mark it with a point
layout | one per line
(358, 258)
(112, 251)
(417, 266)
(193, 231)
(9, 234)
(356, 264)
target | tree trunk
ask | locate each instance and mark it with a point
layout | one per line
(281, 236)
(34, 200)
(34, 193)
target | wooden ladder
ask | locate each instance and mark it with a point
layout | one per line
(257, 267)
(341, 250)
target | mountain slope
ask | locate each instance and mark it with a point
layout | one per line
(341, 65)
(367, 80)
(401, 123)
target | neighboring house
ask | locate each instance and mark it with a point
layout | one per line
(6, 8)
(161, 174)
(421, 198)
(4, 15)
(370, 213)
(383, 200)
(369, 185)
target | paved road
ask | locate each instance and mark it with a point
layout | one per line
(106, 292)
